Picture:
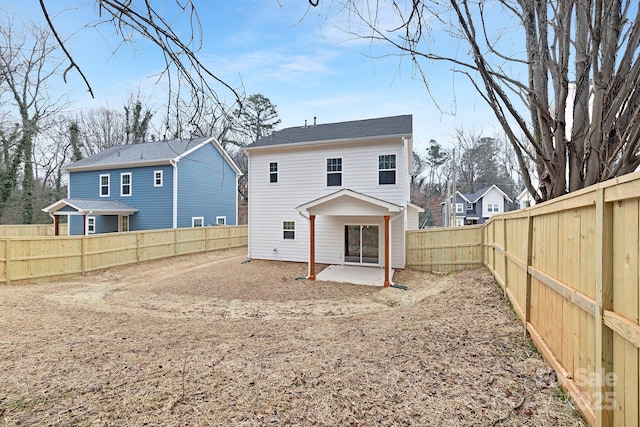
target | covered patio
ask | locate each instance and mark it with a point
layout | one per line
(349, 203)
(87, 208)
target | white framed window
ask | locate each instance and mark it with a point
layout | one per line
(104, 185)
(459, 222)
(459, 207)
(91, 224)
(197, 221)
(334, 172)
(273, 172)
(493, 207)
(125, 184)
(289, 230)
(387, 169)
(221, 220)
(469, 206)
(157, 178)
(124, 223)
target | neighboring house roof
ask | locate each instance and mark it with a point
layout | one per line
(371, 128)
(90, 206)
(474, 197)
(147, 154)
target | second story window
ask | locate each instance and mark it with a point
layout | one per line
(125, 184)
(459, 207)
(387, 169)
(104, 185)
(493, 207)
(157, 178)
(273, 172)
(470, 206)
(334, 172)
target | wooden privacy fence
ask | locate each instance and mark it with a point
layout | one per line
(571, 270)
(443, 250)
(33, 230)
(570, 267)
(24, 259)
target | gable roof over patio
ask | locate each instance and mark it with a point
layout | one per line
(347, 202)
(89, 207)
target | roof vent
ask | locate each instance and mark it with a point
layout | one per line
(140, 156)
(118, 153)
(305, 122)
(314, 120)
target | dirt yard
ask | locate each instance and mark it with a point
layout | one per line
(208, 340)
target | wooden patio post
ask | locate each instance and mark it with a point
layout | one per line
(56, 225)
(312, 247)
(386, 250)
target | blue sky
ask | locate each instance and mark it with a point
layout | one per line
(297, 57)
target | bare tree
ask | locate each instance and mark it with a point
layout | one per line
(561, 76)
(183, 71)
(27, 65)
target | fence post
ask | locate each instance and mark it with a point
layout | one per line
(137, 247)
(604, 301)
(529, 259)
(83, 254)
(504, 253)
(7, 268)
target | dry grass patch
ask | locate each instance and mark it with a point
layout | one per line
(207, 340)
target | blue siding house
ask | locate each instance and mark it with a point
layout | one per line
(153, 185)
(475, 208)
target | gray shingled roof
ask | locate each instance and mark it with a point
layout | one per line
(136, 153)
(385, 126)
(92, 205)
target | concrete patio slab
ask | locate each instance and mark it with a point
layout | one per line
(373, 276)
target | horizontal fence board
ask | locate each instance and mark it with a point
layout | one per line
(25, 259)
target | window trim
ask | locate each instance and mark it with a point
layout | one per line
(155, 179)
(469, 206)
(108, 185)
(459, 208)
(273, 173)
(490, 207)
(91, 225)
(334, 172)
(286, 230)
(122, 175)
(197, 218)
(382, 162)
(223, 218)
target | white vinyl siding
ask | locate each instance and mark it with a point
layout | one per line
(105, 182)
(302, 178)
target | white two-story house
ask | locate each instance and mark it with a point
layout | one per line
(335, 193)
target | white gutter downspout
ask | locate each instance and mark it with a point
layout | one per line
(174, 163)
